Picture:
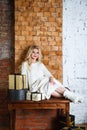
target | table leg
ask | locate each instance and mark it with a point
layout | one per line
(67, 115)
(12, 120)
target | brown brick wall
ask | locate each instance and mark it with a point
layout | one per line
(36, 22)
(6, 55)
(39, 22)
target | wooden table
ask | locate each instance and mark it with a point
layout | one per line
(53, 103)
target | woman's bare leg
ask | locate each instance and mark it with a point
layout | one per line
(56, 94)
(64, 92)
(60, 90)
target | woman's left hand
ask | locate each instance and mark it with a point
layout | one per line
(51, 80)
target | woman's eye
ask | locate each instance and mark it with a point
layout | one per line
(35, 52)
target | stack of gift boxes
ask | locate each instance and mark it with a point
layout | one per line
(17, 81)
(18, 89)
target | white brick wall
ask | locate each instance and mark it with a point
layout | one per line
(75, 53)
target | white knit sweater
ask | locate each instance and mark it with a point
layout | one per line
(37, 76)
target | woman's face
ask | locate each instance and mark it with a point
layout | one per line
(35, 54)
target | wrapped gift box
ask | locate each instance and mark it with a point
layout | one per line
(35, 96)
(17, 81)
(28, 95)
(17, 94)
(11, 82)
(17, 87)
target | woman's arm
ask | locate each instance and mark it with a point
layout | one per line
(24, 72)
(46, 71)
(48, 74)
(23, 68)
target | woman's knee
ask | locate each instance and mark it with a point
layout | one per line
(60, 90)
(56, 94)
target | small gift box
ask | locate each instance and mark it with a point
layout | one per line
(28, 95)
(37, 96)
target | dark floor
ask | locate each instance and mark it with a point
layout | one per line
(81, 125)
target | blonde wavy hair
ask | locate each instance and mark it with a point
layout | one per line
(30, 50)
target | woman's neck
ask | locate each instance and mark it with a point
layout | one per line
(33, 61)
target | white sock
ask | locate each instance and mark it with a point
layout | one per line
(73, 97)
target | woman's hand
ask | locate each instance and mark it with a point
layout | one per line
(51, 80)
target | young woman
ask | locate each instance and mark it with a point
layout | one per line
(39, 79)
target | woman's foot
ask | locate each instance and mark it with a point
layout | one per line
(73, 97)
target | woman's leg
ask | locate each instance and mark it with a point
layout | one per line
(63, 92)
(58, 92)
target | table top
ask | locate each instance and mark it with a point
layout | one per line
(51, 100)
(53, 103)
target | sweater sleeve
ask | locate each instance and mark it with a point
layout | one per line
(24, 71)
(23, 68)
(46, 71)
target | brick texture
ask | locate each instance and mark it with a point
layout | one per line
(39, 22)
(6, 56)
